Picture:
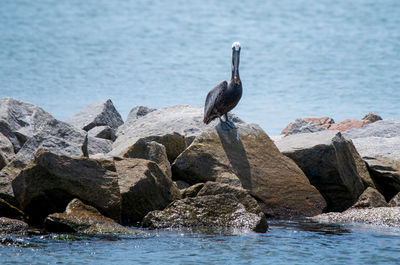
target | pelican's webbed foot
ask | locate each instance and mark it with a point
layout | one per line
(226, 125)
(229, 123)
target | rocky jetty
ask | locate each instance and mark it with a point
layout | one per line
(165, 169)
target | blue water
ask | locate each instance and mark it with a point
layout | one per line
(287, 242)
(299, 58)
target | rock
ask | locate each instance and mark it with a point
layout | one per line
(182, 119)
(348, 124)
(247, 158)
(324, 122)
(384, 128)
(372, 117)
(51, 181)
(182, 184)
(99, 113)
(138, 112)
(103, 132)
(6, 151)
(98, 145)
(150, 150)
(10, 211)
(12, 226)
(332, 165)
(302, 126)
(223, 212)
(386, 216)
(395, 201)
(192, 190)
(81, 218)
(370, 198)
(19, 120)
(144, 187)
(57, 136)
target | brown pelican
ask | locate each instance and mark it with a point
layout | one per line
(226, 95)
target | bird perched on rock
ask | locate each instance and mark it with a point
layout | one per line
(226, 95)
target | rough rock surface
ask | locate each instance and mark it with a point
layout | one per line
(8, 210)
(144, 187)
(51, 181)
(395, 201)
(332, 165)
(99, 113)
(192, 191)
(348, 124)
(223, 212)
(19, 120)
(370, 198)
(325, 122)
(6, 151)
(303, 126)
(138, 112)
(247, 157)
(384, 128)
(81, 218)
(98, 145)
(372, 117)
(386, 216)
(12, 226)
(104, 132)
(183, 119)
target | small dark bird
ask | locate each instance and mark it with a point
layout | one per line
(226, 95)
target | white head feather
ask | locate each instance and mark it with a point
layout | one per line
(236, 45)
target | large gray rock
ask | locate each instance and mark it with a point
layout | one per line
(222, 212)
(138, 112)
(332, 165)
(182, 119)
(19, 120)
(303, 126)
(385, 216)
(51, 181)
(13, 226)
(144, 187)
(6, 151)
(57, 136)
(99, 113)
(81, 218)
(248, 158)
(98, 145)
(104, 132)
(382, 128)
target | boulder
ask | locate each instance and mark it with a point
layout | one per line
(98, 146)
(144, 187)
(81, 218)
(370, 198)
(372, 117)
(182, 184)
(303, 126)
(13, 226)
(19, 120)
(385, 216)
(324, 122)
(192, 191)
(138, 112)
(9, 210)
(395, 201)
(103, 132)
(6, 151)
(383, 128)
(348, 124)
(99, 113)
(332, 165)
(182, 119)
(247, 157)
(51, 181)
(57, 136)
(222, 212)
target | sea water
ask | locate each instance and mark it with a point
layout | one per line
(334, 58)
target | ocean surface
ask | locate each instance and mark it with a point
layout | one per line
(334, 58)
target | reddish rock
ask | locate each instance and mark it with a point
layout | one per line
(321, 121)
(348, 124)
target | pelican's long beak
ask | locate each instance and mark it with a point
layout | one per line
(235, 60)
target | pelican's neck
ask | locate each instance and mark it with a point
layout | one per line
(235, 65)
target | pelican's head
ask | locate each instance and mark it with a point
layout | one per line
(236, 46)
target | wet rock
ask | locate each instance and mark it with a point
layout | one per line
(19, 120)
(144, 187)
(12, 226)
(98, 146)
(51, 181)
(99, 113)
(303, 126)
(223, 212)
(103, 132)
(57, 136)
(138, 112)
(247, 158)
(81, 218)
(386, 216)
(348, 124)
(370, 198)
(332, 165)
(395, 201)
(192, 190)
(6, 151)
(324, 122)
(372, 117)
(9, 210)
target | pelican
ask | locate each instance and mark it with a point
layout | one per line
(226, 95)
